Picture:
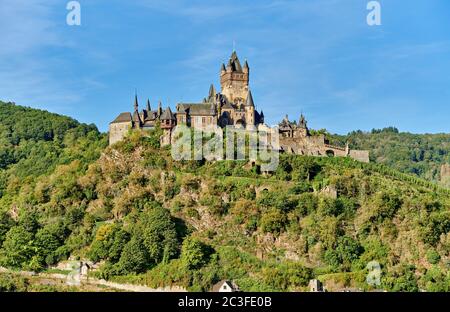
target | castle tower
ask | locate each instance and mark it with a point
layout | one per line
(249, 109)
(234, 80)
(302, 128)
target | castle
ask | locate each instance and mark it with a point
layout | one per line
(232, 106)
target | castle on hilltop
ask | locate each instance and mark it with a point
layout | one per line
(232, 106)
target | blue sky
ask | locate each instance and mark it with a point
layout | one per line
(315, 56)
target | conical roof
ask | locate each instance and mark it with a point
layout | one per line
(234, 62)
(168, 115)
(249, 101)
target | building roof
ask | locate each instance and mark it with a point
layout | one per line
(234, 63)
(249, 101)
(212, 92)
(167, 115)
(197, 109)
(123, 117)
(216, 287)
(151, 115)
(227, 105)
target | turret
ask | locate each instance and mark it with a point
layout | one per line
(136, 117)
(234, 80)
(159, 112)
(212, 93)
(250, 109)
(249, 101)
(246, 68)
(149, 108)
(302, 122)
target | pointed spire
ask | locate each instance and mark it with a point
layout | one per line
(234, 62)
(302, 121)
(136, 116)
(136, 104)
(249, 101)
(149, 108)
(246, 64)
(160, 108)
(212, 92)
(223, 68)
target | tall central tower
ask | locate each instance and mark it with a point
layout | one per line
(234, 80)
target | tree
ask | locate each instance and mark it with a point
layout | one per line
(159, 234)
(47, 243)
(17, 248)
(6, 222)
(346, 252)
(134, 257)
(194, 253)
(109, 242)
(273, 221)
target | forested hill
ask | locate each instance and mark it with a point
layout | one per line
(33, 142)
(419, 154)
(147, 219)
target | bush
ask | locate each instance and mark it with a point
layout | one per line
(347, 251)
(273, 221)
(433, 256)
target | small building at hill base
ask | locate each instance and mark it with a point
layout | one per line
(225, 286)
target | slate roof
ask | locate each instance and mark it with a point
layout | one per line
(249, 101)
(234, 63)
(123, 117)
(228, 105)
(196, 109)
(167, 115)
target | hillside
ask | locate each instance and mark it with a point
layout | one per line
(149, 220)
(418, 154)
(34, 142)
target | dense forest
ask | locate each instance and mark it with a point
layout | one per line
(418, 154)
(147, 219)
(34, 142)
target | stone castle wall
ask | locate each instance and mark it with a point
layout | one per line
(362, 156)
(117, 131)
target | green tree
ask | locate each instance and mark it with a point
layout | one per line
(17, 248)
(159, 234)
(6, 222)
(194, 253)
(134, 257)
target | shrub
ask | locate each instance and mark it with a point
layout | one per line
(273, 221)
(433, 256)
